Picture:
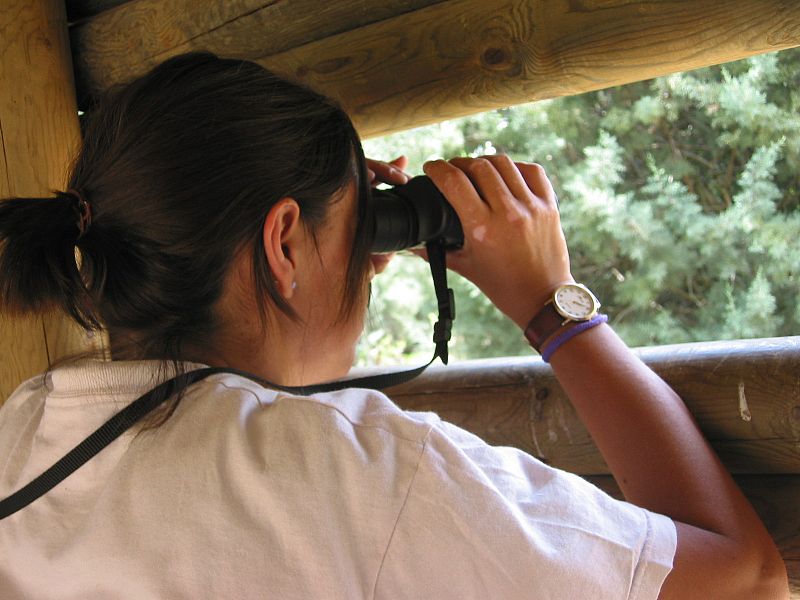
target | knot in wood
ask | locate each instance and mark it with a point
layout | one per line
(496, 58)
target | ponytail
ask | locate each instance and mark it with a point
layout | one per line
(38, 264)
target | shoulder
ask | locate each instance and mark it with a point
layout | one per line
(352, 408)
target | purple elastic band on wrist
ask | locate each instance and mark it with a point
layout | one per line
(571, 333)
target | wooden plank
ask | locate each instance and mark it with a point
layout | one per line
(38, 112)
(23, 352)
(451, 58)
(148, 32)
(518, 402)
(39, 124)
(775, 499)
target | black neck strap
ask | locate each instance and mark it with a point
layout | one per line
(142, 406)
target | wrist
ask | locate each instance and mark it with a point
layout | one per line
(555, 342)
(533, 303)
(571, 309)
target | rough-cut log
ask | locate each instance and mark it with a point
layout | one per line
(394, 67)
(744, 394)
(39, 131)
(775, 499)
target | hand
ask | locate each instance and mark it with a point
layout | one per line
(514, 248)
(392, 173)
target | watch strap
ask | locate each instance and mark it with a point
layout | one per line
(544, 325)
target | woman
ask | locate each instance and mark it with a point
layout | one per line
(220, 214)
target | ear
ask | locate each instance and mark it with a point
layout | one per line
(283, 236)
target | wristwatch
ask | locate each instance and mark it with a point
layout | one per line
(571, 302)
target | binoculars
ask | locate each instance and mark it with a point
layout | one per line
(413, 214)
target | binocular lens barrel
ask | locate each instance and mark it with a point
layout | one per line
(410, 215)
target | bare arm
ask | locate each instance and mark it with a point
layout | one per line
(516, 253)
(662, 463)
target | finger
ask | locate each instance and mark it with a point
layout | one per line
(401, 162)
(371, 177)
(459, 191)
(387, 173)
(537, 181)
(487, 181)
(511, 176)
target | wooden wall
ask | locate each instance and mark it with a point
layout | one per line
(39, 132)
(744, 394)
(396, 64)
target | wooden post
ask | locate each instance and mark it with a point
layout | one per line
(39, 131)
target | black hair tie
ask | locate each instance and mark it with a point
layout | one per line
(83, 211)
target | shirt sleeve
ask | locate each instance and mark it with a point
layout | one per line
(494, 522)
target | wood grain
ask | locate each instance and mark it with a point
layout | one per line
(23, 352)
(39, 125)
(148, 32)
(518, 402)
(775, 499)
(37, 103)
(411, 67)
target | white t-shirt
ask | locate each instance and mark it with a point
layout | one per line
(251, 493)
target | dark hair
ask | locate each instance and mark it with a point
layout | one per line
(180, 168)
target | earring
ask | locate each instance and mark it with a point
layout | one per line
(294, 285)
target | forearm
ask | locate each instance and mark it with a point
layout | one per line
(645, 433)
(650, 440)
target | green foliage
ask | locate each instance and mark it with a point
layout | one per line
(680, 201)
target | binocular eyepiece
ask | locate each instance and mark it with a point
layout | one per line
(413, 214)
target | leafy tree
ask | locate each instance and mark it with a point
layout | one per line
(679, 199)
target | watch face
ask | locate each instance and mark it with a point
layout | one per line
(574, 301)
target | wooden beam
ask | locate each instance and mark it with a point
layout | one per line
(39, 131)
(148, 32)
(745, 395)
(402, 64)
(775, 500)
